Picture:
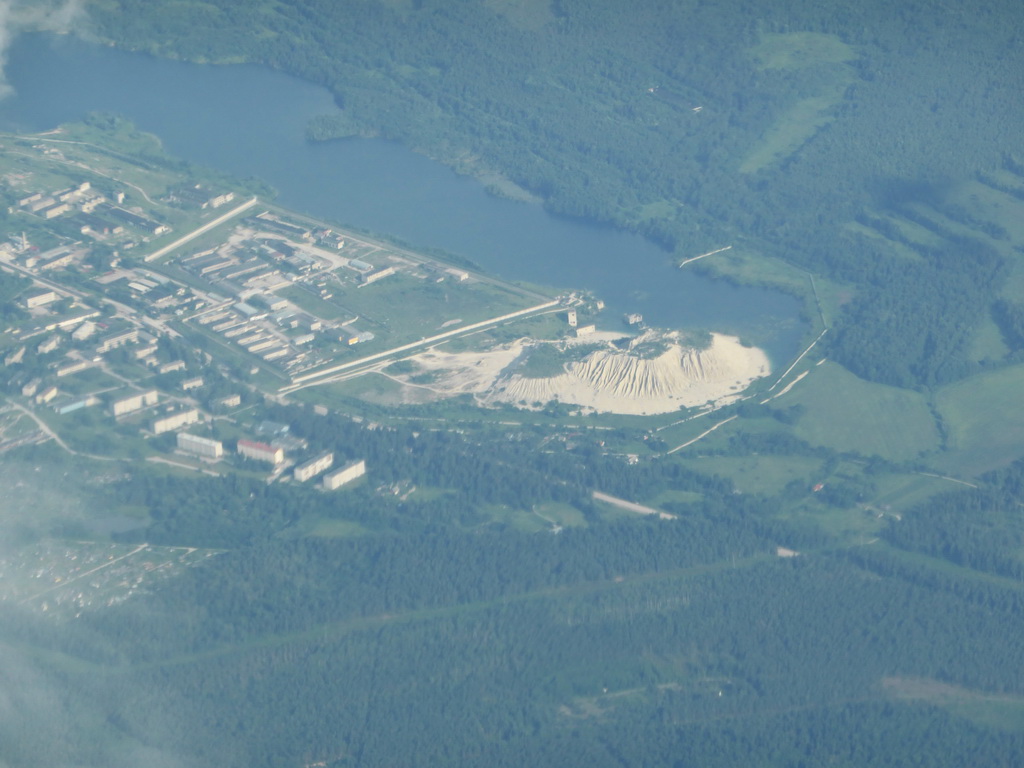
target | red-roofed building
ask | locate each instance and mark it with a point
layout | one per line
(250, 449)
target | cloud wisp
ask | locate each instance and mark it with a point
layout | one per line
(17, 16)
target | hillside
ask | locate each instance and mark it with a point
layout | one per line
(817, 134)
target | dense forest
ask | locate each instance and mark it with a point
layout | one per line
(436, 636)
(495, 647)
(773, 125)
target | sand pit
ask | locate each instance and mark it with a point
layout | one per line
(656, 372)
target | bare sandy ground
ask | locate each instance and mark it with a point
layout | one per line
(608, 379)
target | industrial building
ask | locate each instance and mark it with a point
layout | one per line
(76, 405)
(118, 340)
(200, 446)
(168, 423)
(230, 401)
(40, 299)
(171, 367)
(46, 395)
(380, 274)
(70, 366)
(250, 449)
(134, 402)
(346, 474)
(313, 467)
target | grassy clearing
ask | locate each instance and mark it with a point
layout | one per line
(992, 710)
(984, 420)
(945, 223)
(517, 519)
(855, 228)
(89, 381)
(754, 268)
(854, 525)
(791, 131)
(988, 204)
(15, 425)
(760, 474)
(796, 50)
(565, 515)
(901, 492)
(849, 414)
(1006, 213)
(987, 345)
(371, 387)
(413, 308)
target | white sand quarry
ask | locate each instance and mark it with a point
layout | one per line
(609, 379)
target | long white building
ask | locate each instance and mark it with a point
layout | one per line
(313, 467)
(200, 446)
(168, 423)
(346, 474)
(134, 402)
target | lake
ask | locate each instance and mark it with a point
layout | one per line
(250, 121)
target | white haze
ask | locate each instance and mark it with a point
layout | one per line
(18, 16)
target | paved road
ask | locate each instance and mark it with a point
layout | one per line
(204, 228)
(321, 376)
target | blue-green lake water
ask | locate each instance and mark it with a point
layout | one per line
(250, 121)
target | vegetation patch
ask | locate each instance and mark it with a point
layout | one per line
(767, 475)
(796, 50)
(791, 131)
(543, 361)
(984, 421)
(994, 710)
(330, 127)
(849, 414)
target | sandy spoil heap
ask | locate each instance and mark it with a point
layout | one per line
(609, 379)
(625, 381)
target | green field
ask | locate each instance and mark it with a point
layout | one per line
(565, 515)
(992, 710)
(791, 131)
(900, 492)
(794, 126)
(760, 474)
(410, 309)
(849, 414)
(987, 344)
(796, 50)
(985, 422)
